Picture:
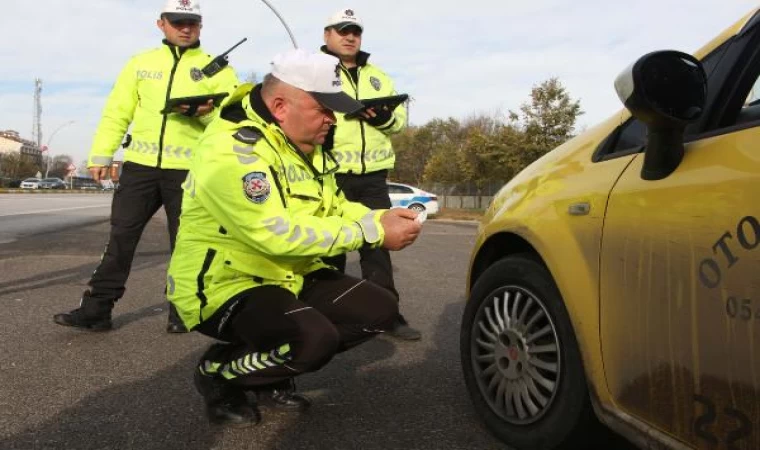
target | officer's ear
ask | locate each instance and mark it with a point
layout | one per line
(279, 108)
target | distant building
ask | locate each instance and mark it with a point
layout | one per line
(12, 142)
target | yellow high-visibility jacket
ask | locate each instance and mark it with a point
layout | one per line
(255, 212)
(360, 147)
(139, 95)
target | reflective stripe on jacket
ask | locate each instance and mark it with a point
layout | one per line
(144, 85)
(360, 147)
(255, 213)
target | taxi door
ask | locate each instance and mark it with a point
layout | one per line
(680, 280)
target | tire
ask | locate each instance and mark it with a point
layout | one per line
(416, 207)
(529, 388)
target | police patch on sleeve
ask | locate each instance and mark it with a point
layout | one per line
(256, 187)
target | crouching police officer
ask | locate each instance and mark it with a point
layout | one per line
(260, 209)
(156, 160)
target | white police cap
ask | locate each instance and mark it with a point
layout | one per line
(176, 10)
(316, 73)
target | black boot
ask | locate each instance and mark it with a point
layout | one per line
(93, 314)
(283, 395)
(174, 323)
(402, 330)
(225, 404)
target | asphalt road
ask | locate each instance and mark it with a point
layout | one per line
(30, 214)
(131, 388)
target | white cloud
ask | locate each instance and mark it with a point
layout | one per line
(454, 58)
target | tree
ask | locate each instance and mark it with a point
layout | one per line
(549, 119)
(16, 166)
(59, 166)
(415, 146)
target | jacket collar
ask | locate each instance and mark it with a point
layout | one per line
(176, 50)
(362, 58)
(259, 107)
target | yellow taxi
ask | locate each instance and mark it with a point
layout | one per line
(616, 280)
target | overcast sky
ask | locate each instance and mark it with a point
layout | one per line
(456, 59)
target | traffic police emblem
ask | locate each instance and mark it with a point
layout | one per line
(256, 187)
(196, 74)
(375, 83)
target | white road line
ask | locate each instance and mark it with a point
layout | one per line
(51, 210)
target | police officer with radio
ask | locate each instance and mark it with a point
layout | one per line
(261, 210)
(158, 155)
(363, 146)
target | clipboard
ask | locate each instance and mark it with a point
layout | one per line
(196, 100)
(390, 103)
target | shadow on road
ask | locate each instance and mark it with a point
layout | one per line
(383, 395)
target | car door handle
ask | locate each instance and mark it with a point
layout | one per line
(579, 209)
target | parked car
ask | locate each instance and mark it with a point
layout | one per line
(405, 196)
(31, 183)
(52, 183)
(615, 280)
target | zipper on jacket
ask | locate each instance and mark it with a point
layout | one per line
(168, 96)
(361, 122)
(279, 186)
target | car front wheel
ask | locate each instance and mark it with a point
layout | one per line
(521, 361)
(417, 208)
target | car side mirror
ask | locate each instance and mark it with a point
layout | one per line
(666, 90)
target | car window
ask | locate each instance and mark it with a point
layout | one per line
(750, 108)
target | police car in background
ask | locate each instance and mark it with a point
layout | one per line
(405, 196)
(615, 280)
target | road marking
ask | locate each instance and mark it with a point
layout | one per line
(43, 211)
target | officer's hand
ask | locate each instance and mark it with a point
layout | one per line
(377, 116)
(401, 230)
(98, 173)
(195, 110)
(205, 109)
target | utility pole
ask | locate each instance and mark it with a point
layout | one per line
(47, 146)
(37, 123)
(284, 24)
(408, 109)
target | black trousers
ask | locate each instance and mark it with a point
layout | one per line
(272, 335)
(371, 191)
(141, 192)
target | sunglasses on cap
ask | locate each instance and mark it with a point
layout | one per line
(345, 31)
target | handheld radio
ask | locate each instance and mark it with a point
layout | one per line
(220, 62)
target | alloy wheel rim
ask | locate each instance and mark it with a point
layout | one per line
(515, 355)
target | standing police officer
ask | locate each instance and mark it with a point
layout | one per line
(363, 147)
(158, 157)
(261, 209)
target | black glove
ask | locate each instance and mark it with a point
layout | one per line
(382, 116)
